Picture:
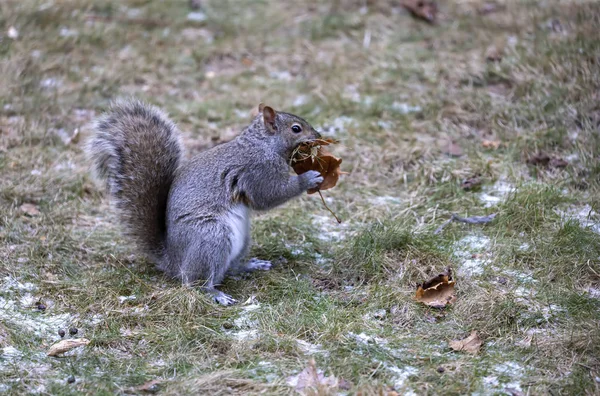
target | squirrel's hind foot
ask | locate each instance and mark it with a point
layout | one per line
(255, 264)
(221, 298)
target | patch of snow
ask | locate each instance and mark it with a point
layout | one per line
(385, 124)
(50, 82)
(384, 200)
(122, 299)
(506, 375)
(133, 12)
(320, 260)
(246, 335)
(11, 284)
(27, 300)
(310, 349)
(11, 353)
(572, 157)
(524, 246)
(491, 381)
(405, 108)
(378, 314)
(196, 16)
(241, 114)
(336, 126)
(351, 93)
(469, 250)
(585, 215)
(514, 371)
(12, 33)
(495, 194)
(245, 321)
(301, 100)
(401, 376)
(282, 75)
(66, 32)
(65, 165)
(42, 325)
(522, 277)
(595, 293)
(326, 225)
(365, 339)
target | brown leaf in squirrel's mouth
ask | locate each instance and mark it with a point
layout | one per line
(312, 156)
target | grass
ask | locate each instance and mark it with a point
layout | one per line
(397, 93)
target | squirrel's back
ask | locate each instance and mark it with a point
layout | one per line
(137, 150)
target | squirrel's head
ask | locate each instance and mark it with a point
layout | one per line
(287, 128)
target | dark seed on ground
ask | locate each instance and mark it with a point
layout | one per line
(61, 333)
(441, 369)
(71, 379)
(227, 325)
(41, 307)
(73, 330)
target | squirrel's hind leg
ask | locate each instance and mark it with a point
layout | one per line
(240, 265)
(208, 259)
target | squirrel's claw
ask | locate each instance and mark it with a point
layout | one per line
(255, 264)
(223, 298)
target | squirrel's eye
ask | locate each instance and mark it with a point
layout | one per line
(296, 128)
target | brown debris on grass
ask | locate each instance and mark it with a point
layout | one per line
(471, 344)
(422, 9)
(66, 345)
(438, 291)
(528, 280)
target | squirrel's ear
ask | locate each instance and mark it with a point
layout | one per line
(261, 107)
(268, 117)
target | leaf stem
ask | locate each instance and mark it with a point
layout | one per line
(327, 207)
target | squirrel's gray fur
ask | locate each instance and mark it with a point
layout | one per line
(192, 217)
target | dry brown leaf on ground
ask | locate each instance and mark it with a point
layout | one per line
(471, 344)
(543, 159)
(491, 144)
(471, 183)
(66, 345)
(452, 149)
(422, 9)
(437, 292)
(312, 156)
(495, 52)
(311, 380)
(149, 387)
(30, 209)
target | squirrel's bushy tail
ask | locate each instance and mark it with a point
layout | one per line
(137, 150)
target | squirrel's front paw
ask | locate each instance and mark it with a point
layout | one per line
(312, 179)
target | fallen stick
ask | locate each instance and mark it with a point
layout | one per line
(467, 220)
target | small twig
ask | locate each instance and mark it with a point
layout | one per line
(467, 220)
(327, 207)
(441, 228)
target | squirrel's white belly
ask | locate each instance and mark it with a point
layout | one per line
(238, 220)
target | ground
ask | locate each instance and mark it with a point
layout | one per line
(494, 109)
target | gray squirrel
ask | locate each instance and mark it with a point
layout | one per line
(192, 218)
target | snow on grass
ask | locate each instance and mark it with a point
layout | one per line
(496, 193)
(471, 250)
(400, 377)
(585, 215)
(16, 308)
(246, 323)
